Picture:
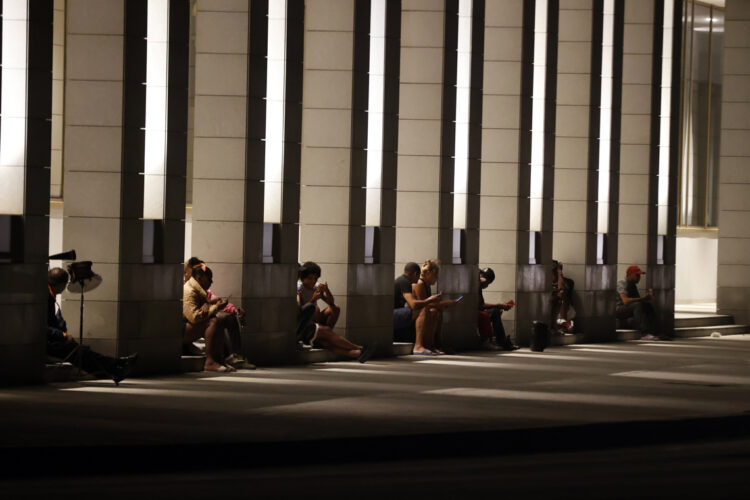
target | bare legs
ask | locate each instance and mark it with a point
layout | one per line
(337, 344)
(213, 332)
(329, 316)
(426, 325)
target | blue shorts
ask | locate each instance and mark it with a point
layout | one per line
(402, 318)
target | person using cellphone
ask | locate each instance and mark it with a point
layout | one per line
(489, 319)
(429, 320)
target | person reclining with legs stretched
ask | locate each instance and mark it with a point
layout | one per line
(201, 320)
(60, 344)
(316, 328)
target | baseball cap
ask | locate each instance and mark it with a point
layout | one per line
(487, 273)
(634, 270)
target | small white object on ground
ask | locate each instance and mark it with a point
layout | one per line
(715, 335)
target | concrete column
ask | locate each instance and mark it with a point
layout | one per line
(501, 130)
(58, 101)
(635, 139)
(533, 278)
(420, 126)
(137, 307)
(576, 167)
(327, 144)
(733, 294)
(94, 76)
(24, 237)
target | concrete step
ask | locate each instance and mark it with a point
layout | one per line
(192, 363)
(704, 331)
(686, 320)
(313, 355)
(62, 372)
(402, 348)
(564, 339)
(624, 335)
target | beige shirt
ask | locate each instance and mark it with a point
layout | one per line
(193, 300)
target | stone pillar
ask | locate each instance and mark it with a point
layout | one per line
(636, 136)
(733, 294)
(419, 126)
(228, 162)
(576, 167)
(24, 237)
(501, 130)
(137, 307)
(58, 101)
(533, 269)
(327, 159)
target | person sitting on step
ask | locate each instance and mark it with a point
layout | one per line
(201, 318)
(406, 307)
(489, 319)
(630, 304)
(61, 344)
(429, 321)
(315, 328)
(233, 320)
(562, 293)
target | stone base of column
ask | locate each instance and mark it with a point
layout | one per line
(460, 322)
(369, 314)
(662, 279)
(270, 303)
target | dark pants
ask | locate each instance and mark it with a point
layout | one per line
(496, 318)
(232, 337)
(643, 316)
(92, 362)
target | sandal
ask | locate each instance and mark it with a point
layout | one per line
(426, 352)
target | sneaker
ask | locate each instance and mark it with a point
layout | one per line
(366, 353)
(239, 362)
(564, 326)
(123, 367)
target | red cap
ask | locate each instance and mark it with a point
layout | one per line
(634, 270)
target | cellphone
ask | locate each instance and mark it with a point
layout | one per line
(459, 299)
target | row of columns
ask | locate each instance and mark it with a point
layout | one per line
(323, 181)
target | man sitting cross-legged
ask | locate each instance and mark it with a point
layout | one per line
(316, 328)
(201, 320)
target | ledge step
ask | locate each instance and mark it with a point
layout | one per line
(564, 339)
(686, 321)
(624, 335)
(402, 348)
(705, 331)
(192, 363)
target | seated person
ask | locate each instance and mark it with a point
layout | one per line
(233, 319)
(429, 319)
(490, 320)
(630, 304)
(201, 320)
(406, 307)
(60, 344)
(310, 291)
(562, 293)
(313, 328)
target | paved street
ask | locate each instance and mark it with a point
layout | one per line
(574, 398)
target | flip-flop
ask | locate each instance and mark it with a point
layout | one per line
(226, 369)
(426, 352)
